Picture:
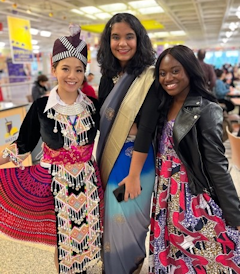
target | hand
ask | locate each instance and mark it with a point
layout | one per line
(132, 187)
(231, 89)
(238, 227)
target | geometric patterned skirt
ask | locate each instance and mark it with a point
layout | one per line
(27, 205)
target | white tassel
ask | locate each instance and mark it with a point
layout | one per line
(74, 29)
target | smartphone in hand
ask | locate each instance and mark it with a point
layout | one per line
(119, 193)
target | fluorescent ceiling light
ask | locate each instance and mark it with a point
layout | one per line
(233, 26)
(103, 15)
(113, 7)
(90, 10)
(36, 47)
(34, 31)
(160, 34)
(143, 4)
(77, 11)
(133, 12)
(151, 10)
(34, 42)
(228, 34)
(36, 51)
(2, 44)
(178, 33)
(90, 16)
(45, 33)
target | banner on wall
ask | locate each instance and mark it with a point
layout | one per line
(9, 129)
(20, 40)
(16, 72)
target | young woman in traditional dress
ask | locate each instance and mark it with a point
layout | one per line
(129, 114)
(67, 121)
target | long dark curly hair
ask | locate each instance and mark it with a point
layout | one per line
(144, 56)
(186, 57)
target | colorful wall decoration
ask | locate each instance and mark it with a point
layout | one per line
(20, 40)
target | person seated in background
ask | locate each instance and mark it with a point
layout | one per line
(228, 76)
(221, 89)
(90, 77)
(40, 87)
(88, 89)
(208, 69)
(236, 73)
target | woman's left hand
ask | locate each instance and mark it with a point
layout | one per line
(238, 227)
(132, 187)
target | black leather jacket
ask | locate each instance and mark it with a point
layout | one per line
(197, 136)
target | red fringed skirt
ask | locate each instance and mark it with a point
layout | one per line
(27, 205)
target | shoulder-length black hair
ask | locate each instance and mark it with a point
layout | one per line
(144, 56)
(193, 69)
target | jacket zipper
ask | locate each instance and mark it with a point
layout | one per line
(208, 183)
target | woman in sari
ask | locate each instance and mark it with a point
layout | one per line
(129, 114)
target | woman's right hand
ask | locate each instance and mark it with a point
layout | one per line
(3, 160)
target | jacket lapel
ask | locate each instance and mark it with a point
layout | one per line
(186, 118)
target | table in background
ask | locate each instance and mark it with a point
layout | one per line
(234, 93)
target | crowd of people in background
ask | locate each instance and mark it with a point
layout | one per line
(221, 82)
(228, 78)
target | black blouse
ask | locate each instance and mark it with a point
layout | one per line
(147, 117)
(36, 124)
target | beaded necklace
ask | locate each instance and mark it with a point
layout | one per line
(73, 133)
(73, 125)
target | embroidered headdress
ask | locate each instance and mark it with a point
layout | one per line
(70, 46)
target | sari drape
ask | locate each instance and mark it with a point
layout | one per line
(110, 108)
(128, 110)
(126, 223)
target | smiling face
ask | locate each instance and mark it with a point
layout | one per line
(173, 77)
(70, 74)
(123, 42)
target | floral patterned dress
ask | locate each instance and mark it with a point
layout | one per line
(188, 233)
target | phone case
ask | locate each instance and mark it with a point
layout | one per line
(119, 193)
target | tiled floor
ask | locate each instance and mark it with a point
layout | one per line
(18, 257)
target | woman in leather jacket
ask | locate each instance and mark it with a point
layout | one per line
(196, 210)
